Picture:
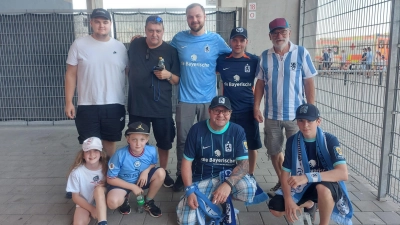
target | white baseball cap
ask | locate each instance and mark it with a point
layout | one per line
(92, 143)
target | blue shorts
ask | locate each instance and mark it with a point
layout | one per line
(103, 121)
(163, 129)
(151, 172)
(250, 126)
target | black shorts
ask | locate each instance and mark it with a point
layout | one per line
(326, 65)
(163, 129)
(151, 173)
(277, 203)
(368, 66)
(103, 121)
(250, 126)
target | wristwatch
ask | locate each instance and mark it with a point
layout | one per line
(170, 77)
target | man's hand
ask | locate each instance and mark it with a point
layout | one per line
(258, 115)
(69, 110)
(291, 210)
(295, 181)
(136, 36)
(162, 74)
(142, 181)
(93, 213)
(221, 194)
(192, 201)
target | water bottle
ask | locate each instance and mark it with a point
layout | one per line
(161, 62)
(140, 203)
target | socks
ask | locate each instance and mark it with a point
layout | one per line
(102, 223)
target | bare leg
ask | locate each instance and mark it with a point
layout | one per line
(81, 216)
(325, 204)
(101, 207)
(109, 147)
(163, 157)
(307, 204)
(155, 183)
(115, 198)
(252, 161)
(277, 161)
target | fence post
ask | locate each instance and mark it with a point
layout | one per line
(390, 102)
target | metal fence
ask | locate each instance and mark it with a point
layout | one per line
(358, 96)
(34, 48)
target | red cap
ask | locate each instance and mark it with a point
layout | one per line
(278, 23)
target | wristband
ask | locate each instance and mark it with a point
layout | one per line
(170, 77)
(189, 190)
(229, 183)
(313, 177)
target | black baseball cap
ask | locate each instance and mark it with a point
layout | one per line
(221, 101)
(99, 12)
(307, 111)
(238, 31)
(137, 128)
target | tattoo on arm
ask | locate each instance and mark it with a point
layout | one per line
(241, 169)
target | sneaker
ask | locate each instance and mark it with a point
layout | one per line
(168, 181)
(125, 208)
(68, 195)
(271, 191)
(153, 210)
(311, 211)
(178, 186)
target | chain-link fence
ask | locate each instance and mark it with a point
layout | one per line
(34, 48)
(353, 46)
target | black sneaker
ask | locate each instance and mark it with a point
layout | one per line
(168, 181)
(125, 208)
(153, 210)
(178, 186)
(271, 192)
(311, 211)
(68, 195)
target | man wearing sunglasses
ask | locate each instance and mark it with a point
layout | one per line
(286, 74)
(150, 87)
(215, 165)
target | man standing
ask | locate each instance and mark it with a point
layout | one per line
(215, 165)
(150, 87)
(238, 71)
(286, 73)
(198, 51)
(96, 67)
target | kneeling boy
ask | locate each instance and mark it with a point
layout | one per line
(132, 169)
(314, 169)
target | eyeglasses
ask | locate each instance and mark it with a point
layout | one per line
(147, 54)
(225, 112)
(282, 32)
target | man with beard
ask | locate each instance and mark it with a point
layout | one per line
(198, 51)
(286, 73)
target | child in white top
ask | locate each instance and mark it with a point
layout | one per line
(86, 181)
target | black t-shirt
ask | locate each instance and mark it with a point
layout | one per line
(148, 96)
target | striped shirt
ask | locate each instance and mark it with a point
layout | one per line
(283, 77)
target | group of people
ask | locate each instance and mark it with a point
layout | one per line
(217, 155)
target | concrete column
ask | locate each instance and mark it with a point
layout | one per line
(93, 4)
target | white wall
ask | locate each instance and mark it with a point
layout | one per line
(23, 5)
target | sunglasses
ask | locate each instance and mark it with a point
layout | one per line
(156, 19)
(147, 54)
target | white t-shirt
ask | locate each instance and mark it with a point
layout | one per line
(83, 181)
(101, 70)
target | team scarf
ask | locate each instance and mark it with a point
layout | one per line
(208, 209)
(343, 210)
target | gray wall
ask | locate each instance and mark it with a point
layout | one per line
(23, 5)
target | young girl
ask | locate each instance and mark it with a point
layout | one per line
(86, 181)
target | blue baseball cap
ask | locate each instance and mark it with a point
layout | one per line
(307, 111)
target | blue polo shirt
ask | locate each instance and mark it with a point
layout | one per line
(214, 151)
(238, 76)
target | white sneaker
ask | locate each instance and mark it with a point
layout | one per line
(271, 191)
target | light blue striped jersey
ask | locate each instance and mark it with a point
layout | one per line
(283, 77)
(198, 59)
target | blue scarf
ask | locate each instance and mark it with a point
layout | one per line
(208, 209)
(343, 210)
